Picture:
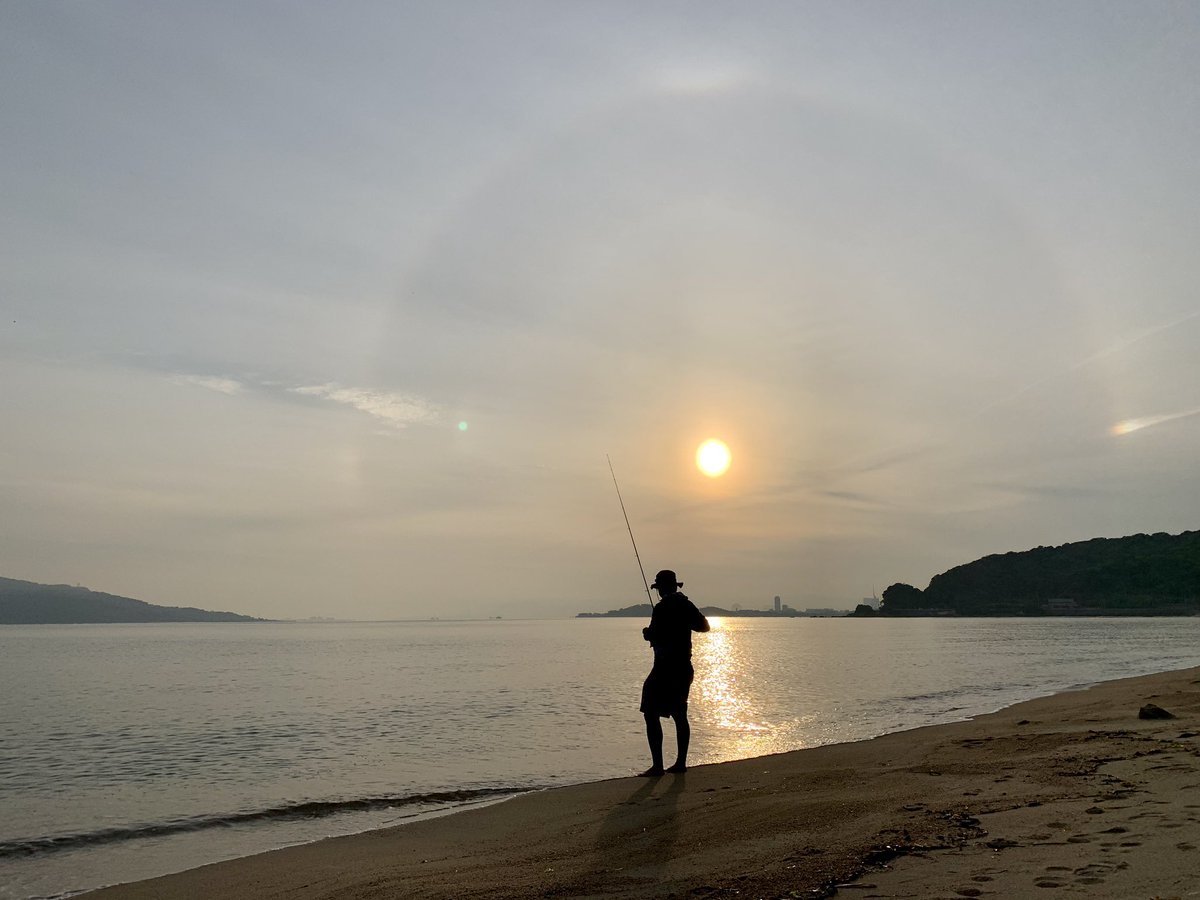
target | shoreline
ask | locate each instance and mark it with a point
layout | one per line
(1050, 782)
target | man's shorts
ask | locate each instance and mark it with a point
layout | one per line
(665, 691)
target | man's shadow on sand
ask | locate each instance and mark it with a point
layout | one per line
(635, 839)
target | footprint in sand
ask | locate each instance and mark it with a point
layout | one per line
(1055, 877)
(1185, 846)
(1094, 873)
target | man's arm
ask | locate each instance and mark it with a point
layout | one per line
(649, 633)
(700, 623)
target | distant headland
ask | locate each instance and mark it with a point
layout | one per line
(30, 603)
(1140, 575)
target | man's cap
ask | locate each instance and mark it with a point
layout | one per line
(666, 578)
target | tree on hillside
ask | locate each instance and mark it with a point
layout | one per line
(900, 597)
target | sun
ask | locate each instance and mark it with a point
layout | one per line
(713, 458)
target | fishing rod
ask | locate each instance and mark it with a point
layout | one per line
(628, 526)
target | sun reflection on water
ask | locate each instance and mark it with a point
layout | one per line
(719, 668)
(730, 699)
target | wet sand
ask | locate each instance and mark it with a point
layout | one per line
(1070, 794)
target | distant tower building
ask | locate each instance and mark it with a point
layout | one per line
(777, 606)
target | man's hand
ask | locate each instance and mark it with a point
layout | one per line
(646, 633)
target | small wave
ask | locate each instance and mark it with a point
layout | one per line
(950, 693)
(312, 809)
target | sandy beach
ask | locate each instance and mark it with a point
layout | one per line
(1070, 794)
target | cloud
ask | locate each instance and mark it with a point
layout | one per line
(213, 383)
(397, 410)
(393, 408)
(1047, 491)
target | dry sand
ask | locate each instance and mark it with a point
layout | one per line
(1071, 794)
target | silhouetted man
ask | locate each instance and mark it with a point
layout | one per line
(665, 693)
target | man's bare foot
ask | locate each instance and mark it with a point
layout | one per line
(652, 772)
(678, 768)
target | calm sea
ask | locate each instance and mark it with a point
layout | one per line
(128, 751)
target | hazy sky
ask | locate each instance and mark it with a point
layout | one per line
(930, 269)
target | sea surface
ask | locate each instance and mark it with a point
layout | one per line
(128, 751)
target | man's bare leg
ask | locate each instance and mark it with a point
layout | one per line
(683, 737)
(654, 737)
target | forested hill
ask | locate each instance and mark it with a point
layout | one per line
(1141, 573)
(30, 603)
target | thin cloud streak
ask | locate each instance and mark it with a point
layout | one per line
(395, 409)
(211, 382)
(1111, 349)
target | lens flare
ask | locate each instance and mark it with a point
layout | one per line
(713, 458)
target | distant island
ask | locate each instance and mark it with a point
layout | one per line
(30, 603)
(1140, 575)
